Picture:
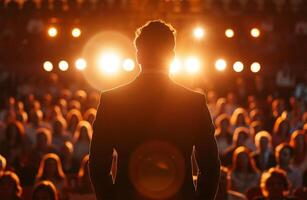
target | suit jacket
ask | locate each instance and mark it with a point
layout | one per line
(153, 124)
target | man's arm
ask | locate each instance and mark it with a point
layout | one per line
(207, 157)
(100, 159)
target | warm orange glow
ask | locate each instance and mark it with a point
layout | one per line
(238, 66)
(229, 33)
(63, 65)
(48, 67)
(255, 32)
(175, 66)
(220, 65)
(199, 33)
(76, 32)
(81, 64)
(128, 65)
(192, 65)
(109, 63)
(52, 32)
(255, 67)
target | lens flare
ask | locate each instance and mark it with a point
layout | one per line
(48, 67)
(128, 65)
(52, 32)
(255, 67)
(109, 63)
(175, 66)
(255, 32)
(220, 65)
(80, 64)
(63, 65)
(229, 33)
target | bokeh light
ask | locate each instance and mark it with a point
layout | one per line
(220, 64)
(81, 64)
(63, 65)
(199, 33)
(52, 32)
(255, 67)
(128, 65)
(255, 32)
(238, 66)
(175, 66)
(229, 33)
(48, 66)
(109, 63)
(192, 65)
(76, 32)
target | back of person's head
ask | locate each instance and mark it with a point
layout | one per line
(2, 164)
(45, 190)
(50, 165)
(240, 135)
(155, 43)
(262, 135)
(283, 153)
(43, 137)
(10, 186)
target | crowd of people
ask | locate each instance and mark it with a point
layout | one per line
(45, 137)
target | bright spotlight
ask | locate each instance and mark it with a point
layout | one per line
(80, 64)
(238, 66)
(175, 66)
(220, 65)
(48, 66)
(192, 65)
(128, 64)
(255, 67)
(109, 63)
(52, 32)
(255, 32)
(229, 33)
(76, 32)
(199, 33)
(63, 65)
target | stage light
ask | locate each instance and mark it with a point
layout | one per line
(192, 65)
(255, 32)
(63, 65)
(175, 66)
(109, 63)
(76, 32)
(255, 67)
(220, 65)
(128, 64)
(199, 33)
(229, 33)
(80, 64)
(238, 66)
(52, 32)
(48, 66)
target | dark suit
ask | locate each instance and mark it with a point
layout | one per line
(153, 108)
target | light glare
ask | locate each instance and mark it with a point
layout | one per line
(109, 63)
(229, 33)
(255, 67)
(220, 64)
(255, 32)
(199, 33)
(48, 66)
(128, 64)
(175, 66)
(192, 65)
(238, 66)
(81, 64)
(52, 32)
(76, 32)
(63, 65)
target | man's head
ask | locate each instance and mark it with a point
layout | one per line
(155, 44)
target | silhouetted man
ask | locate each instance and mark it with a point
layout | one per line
(154, 139)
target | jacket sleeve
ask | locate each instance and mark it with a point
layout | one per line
(100, 158)
(207, 156)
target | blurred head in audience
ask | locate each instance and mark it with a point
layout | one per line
(274, 184)
(278, 106)
(223, 123)
(59, 126)
(281, 128)
(15, 134)
(240, 136)
(10, 188)
(43, 138)
(45, 190)
(255, 127)
(83, 132)
(283, 154)
(73, 118)
(299, 145)
(263, 141)
(83, 175)
(90, 115)
(50, 168)
(239, 118)
(2, 164)
(242, 162)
